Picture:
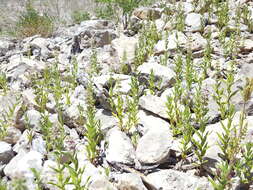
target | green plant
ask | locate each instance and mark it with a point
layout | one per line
(164, 58)
(3, 185)
(222, 179)
(207, 55)
(46, 130)
(105, 12)
(223, 14)
(3, 82)
(200, 110)
(117, 103)
(38, 180)
(127, 6)
(180, 19)
(31, 22)
(19, 184)
(147, 39)
(244, 166)
(7, 118)
(247, 19)
(79, 16)
(76, 173)
(94, 66)
(93, 132)
(174, 102)
(62, 179)
(133, 104)
(151, 82)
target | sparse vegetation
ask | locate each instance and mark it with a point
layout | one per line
(31, 23)
(79, 16)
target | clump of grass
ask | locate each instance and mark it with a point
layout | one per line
(31, 23)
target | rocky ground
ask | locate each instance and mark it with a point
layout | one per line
(132, 78)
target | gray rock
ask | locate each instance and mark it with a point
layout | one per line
(174, 40)
(107, 120)
(146, 13)
(71, 113)
(122, 151)
(101, 184)
(12, 135)
(129, 181)
(193, 20)
(154, 146)
(246, 71)
(6, 153)
(171, 179)
(123, 86)
(246, 46)
(163, 75)
(19, 66)
(150, 122)
(187, 6)
(20, 166)
(39, 47)
(197, 42)
(32, 119)
(5, 46)
(125, 47)
(36, 143)
(96, 33)
(154, 104)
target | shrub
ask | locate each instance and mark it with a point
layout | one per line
(31, 23)
(79, 16)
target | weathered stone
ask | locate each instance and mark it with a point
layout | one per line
(197, 42)
(20, 66)
(107, 120)
(6, 153)
(129, 181)
(123, 83)
(12, 135)
(36, 143)
(5, 46)
(32, 119)
(154, 104)
(125, 47)
(171, 179)
(20, 166)
(164, 76)
(122, 151)
(193, 20)
(174, 40)
(154, 146)
(150, 122)
(145, 13)
(246, 46)
(101, 184)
